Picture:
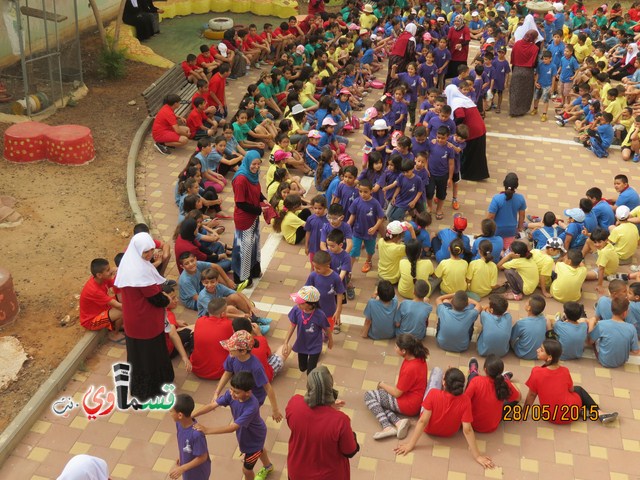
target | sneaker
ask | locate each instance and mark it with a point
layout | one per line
(534, 112)
(336, 329)
(403, 428)
(618, 276)
(386, 433)
(473, 365)
(608, 417)
(507, 375)
(264, 329)
(241, 286)
(635, 268)
(559, 117)
(264, 472)
(455, 204)
(162, 148)
(544, 117)
(351, 293)
(366, 268)
(533, 218)
(262, 320)
(636, 158)
(560, 123)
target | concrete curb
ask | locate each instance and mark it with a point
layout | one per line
(136, 145)
(47, 392)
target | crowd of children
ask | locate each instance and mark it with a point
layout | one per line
(314, 76)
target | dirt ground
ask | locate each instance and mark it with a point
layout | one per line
(71, 215)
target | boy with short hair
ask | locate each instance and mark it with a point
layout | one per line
(457, 314)
(313, 225)
(194, 462)
(614, 338)
(624, 236)
(627, 195)
(601, 208)
(340, 260)
(496, 327)
(571, 330)
(206, 61)
(571, 274)
(528, 333)
(335, 219)
(98, 309)
(192, 72)
(381, 313)
(607, 262)
(330, 286)
(198, 121)
(366, 216)
(217, 89)
(190, 279)
(208, 356)
(457, 142)
(441, 167)
(599, 139)
(545, 71)
(250, 428)
(413, 315)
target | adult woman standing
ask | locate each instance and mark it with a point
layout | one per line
(458, 37)
(322, 440)
(507, 210)
(524, 55)
(143, 311)
(245, 260)
(473, 163)
(402, 53)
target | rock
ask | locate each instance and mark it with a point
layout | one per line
(12, 357)
(132, 103)
(65, 321)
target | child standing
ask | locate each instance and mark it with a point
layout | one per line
(501, 71)
(194, 462)
(380, 313)
(441, 168)
(340, 260)
(335, 219)
(366, 216)
(407, 193)
(545, 71)
(392, 250)
(528, 333)
(251, 431)
(457, 142)
(310, 322)
(330, 286)
(313, 225)
(496, 328)
(347, 191)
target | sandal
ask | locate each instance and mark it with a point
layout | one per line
(366, 268)
(439, 216)
(336, 329)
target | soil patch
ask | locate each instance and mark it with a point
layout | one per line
(71, 215)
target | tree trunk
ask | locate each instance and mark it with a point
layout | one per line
(101, 30)
(116, 33)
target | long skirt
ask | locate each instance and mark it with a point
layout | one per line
(245, 259)
(473, 163)
(401, 62)
(143, 24)
(452, 69)
(150, 366)
(521, 91)
(239, 66)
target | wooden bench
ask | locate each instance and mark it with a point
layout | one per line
(172, 81)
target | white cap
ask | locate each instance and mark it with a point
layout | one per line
(297, 108)
(622, 212)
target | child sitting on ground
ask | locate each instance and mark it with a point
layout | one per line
(496, 327)
(208, 356)
(614, 338)
(457, 314)
(571, 330)
(528, 333)
(520, 271)
(413, 315)
(452, 271)
(482, 274)
(381, 313)
(607, 263)
(571, 274)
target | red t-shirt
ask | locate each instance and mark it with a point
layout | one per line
(183, 245)
(253, 39)
(244, 191)
(412, 381)
(164, 121)
(207, 99)
(216, 86)
(201, 59)
(172, 320)
(195, 121)
(141, 319)
(208, 355)
(553, 387)
(486, 408)
(187, 69)
(262, 352)
(448, 412)
(94, 299)
(266, 36)
(320, 439)
(277, 33)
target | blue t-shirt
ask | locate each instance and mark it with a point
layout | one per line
(422, 236)
(366, 214)
(527, 335)
(455, 328)
(312, 155)
(329, 287)
(557, 52)
(541, 235)
(191, 285)
(545, 74)
(205, 297)
(253, 366)
(496, 252)
(603, 311)
(628, 197)
(614, 340)
(253, 431)
(495, 335)
(447, 236)
(314, 225)
(383, 318)
(332, 188)
(367, 57)
(413, 317)
(192, 444)
(506, 213)
(604, 214)
(578, 239)
(568, 67)
(572, 337)
(605, 131)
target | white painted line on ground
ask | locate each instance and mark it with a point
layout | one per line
(538, 139)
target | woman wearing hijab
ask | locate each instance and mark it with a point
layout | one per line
(459, 37)
(248, 199)
(402, 53)
(140, 14)
(85, 467)
(523, 60)
(322, 440)
(144, 314)
(626, 66)
(473, 163)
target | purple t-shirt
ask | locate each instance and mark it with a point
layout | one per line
(329, 286)
(439, 159)
(367, 132)
(341, 261)
(374, 178)
(457, 155)
(501, 69)
(441, 56)
(387, 178)
(409, 188)
(346, 195)
(429, 73)
(477, 89)
(344, 228)
(367, 214)
(310, 326)
(314, 226)
(413, 83)
(253, 365)
(424, 176)
(417, 147)
(436, 122)
(398, 108)
(192, 444)
(253, 431)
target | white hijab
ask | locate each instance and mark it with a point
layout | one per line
(528, 24)
(631, 55)
(85, 467)
(135, 271)
(412, 29)
(456, 99)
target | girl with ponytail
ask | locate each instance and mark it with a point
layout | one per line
(413, 268)
(507, 208)
(452, 272)
(482, 274)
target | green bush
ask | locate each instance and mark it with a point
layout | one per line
(112, 63)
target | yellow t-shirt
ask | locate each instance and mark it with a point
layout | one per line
(608, 258)
(512, 22)
(624, 238)
(368, 20)
(603, 92)
(567, 285)
(601, 59)
(389, 264)
(483, 276)
(290, 225)
(424, 269)
(544, 263)
(272, 189)
(615, 107)
(453, 274)
(295, 126)
(582, 51)
(528, 270)
(273, 167)
(307, 93)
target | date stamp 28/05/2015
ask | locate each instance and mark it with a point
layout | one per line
(549, 413)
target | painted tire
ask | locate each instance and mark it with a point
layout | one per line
(220, 24)
(212, 35)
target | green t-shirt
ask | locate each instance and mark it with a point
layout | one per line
(266, 90)
(240, 132)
